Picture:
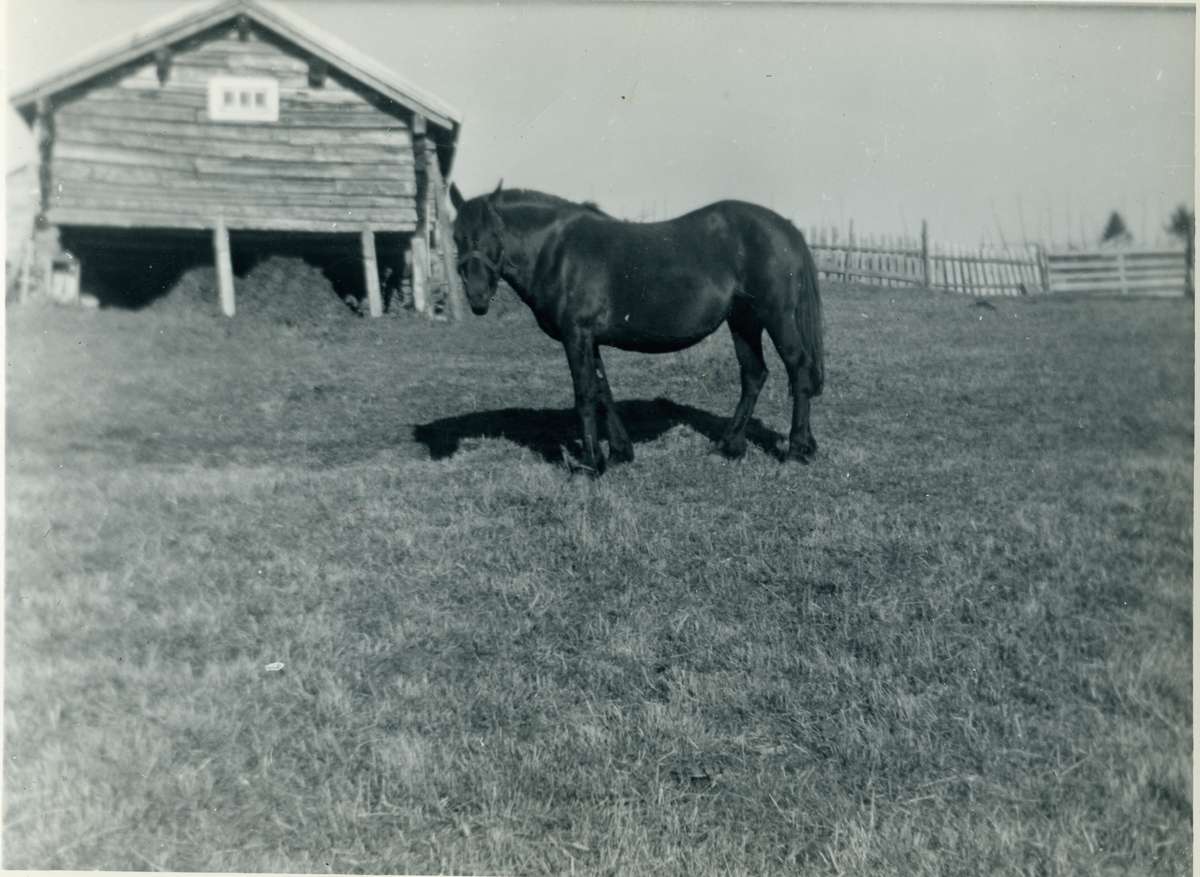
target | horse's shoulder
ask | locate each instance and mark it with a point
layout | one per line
(576, 226)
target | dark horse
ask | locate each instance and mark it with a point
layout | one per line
(654, 287)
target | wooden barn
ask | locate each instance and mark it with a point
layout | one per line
(235, 122)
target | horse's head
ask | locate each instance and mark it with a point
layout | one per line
(479, 237)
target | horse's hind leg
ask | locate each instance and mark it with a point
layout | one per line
(801, 443)
(620, 448)
(746, 329)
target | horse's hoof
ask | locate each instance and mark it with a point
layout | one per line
(732, 449)
(582, 467)
(620, 454)
(803, 456)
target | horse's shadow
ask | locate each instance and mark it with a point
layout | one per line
(548, 432)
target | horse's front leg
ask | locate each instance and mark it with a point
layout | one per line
(620, 448)
(582, 360)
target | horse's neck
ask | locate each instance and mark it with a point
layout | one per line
(518, 276)
(526, 230)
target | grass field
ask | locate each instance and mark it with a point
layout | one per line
(958, 643)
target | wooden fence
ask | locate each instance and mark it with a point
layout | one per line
(1122, 272)
(1024, 270)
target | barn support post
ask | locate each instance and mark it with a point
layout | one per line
(224, 262)
(420, 273)
(445, 236)
(371, 272)
(454, 294)
(43, 243)
(421, 268)
(43, 132)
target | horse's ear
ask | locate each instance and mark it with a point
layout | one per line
(499, 186)
(456, 197)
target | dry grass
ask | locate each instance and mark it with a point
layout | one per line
(959, 643)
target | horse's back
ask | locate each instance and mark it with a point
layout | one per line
(729, 244)
(723, 230)
(661, 286)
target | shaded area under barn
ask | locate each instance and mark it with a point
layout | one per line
(133, 270)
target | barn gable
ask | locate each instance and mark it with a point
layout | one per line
(236, 116)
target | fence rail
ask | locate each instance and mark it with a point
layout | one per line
(997, 270)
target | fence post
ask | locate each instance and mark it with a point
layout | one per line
(925, 253)
(1043, 264)
(849, 253)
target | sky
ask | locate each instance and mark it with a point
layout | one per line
(996, 123)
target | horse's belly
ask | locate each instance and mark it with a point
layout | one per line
(666, 323)
(652, 344)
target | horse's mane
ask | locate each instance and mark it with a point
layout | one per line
(518, 197)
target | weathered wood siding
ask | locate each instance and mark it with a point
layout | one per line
(137, 153)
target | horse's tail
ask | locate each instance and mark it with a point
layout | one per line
(808, 317)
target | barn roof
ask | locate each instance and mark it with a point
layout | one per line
(273, 16)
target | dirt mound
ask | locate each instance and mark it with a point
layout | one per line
(289, 290)
(280, 289)
(194, 292)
